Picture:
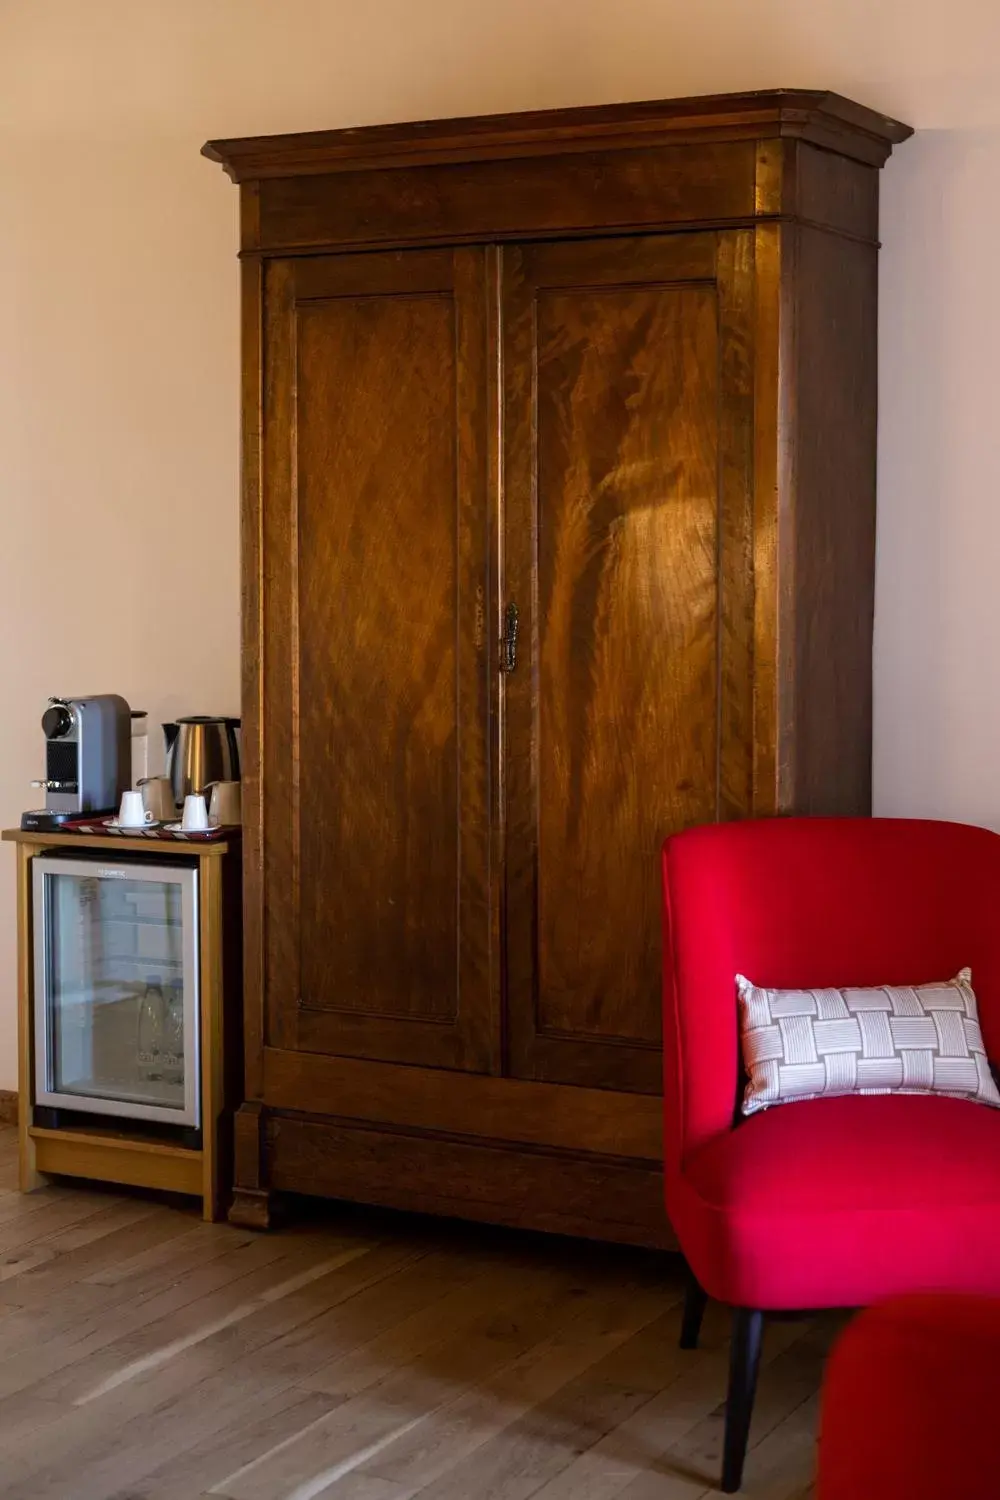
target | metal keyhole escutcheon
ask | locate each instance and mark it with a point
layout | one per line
(509, 651)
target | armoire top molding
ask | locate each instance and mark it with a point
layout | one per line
(824, 119)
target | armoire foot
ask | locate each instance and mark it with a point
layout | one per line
(254, 1208)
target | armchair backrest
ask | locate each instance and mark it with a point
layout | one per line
(811, 902)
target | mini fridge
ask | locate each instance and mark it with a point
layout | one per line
(116, 1004)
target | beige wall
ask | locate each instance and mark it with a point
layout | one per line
(118, 326)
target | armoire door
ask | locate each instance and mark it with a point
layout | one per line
(628, 451)
(380, 914)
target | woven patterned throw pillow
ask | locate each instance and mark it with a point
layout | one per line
(897, 1039)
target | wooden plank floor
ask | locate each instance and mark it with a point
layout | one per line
(362, 1356)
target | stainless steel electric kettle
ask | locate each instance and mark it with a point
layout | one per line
(201, 749)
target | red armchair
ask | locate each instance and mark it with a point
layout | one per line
(830, 1202)
(909, 1402)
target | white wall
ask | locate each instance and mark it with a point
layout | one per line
(118, 320)
(937, 711)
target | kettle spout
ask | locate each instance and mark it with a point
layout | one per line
(170, 733)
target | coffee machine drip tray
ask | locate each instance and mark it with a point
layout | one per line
(46, 820)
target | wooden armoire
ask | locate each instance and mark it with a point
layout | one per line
(558, 536)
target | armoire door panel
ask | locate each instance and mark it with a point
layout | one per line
(627, 528)
(378, 816)
(378, 728)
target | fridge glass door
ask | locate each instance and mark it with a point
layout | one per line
(116, 989)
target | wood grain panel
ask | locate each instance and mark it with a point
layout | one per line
(831, 121)
(169, 845)
(627, 540)
(381, 839)
(278, 876)
(738, 583)
(217, 1044)
(540, 1114)
(555, 1191)
(637, 418)
(137, 1163)
(30, 1174)
(503, 199)
(773, 526)
(376, 653)
(251, 655)
(835, 402)
(833, 190)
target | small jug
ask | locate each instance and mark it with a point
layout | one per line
(225, 806)
(158, 797)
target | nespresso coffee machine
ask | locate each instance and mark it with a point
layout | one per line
(88, 755)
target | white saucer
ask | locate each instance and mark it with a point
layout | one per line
(193, 833)
(128, 827)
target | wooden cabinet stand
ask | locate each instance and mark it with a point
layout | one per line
(124, 1151)
(558, 536)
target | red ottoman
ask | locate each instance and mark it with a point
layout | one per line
(911, 1402)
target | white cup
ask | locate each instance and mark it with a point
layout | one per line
(194, 819)
(132, 813)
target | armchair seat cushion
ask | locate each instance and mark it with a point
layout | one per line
(841, 1201)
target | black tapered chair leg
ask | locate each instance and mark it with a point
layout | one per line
(744, 1362)
(694, 1311)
